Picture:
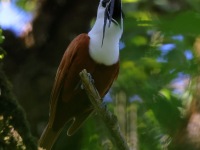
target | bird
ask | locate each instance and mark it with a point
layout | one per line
(96, 51)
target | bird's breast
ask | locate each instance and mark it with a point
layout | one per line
(108, 52)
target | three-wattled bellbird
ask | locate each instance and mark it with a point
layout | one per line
(98, 53)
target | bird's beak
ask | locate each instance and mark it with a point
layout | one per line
(113, 13)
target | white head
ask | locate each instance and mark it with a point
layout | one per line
(110, 11)
(106, 32)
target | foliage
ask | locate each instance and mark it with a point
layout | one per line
(1, 36)
(28, 5)
(14, 129)
(2, 52)
(159, 54)
(9, 137)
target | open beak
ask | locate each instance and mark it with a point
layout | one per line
(113, 13)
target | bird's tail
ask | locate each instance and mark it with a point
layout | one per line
(48, 138)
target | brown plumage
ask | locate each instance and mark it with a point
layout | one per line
(68, 100)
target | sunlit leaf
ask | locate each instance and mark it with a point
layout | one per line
(165, 92)
(144, 18)
(1, 56)
(1, 36)
(130, 1)
(2, 53)
(139, 40)
(27, 5)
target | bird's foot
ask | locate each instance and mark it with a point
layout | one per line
(90, 78)
(79, 85)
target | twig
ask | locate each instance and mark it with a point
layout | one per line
(109, 119)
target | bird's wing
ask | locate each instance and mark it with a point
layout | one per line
(79, 121)
(50, 135)
(81, 118)
(62, 71)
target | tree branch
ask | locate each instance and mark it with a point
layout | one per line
(109, 119)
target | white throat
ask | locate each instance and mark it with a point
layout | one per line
(108, 53)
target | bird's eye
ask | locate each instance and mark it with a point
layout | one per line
(104, 2)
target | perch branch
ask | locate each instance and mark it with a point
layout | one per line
(109, 119)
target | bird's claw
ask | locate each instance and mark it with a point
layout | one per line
(90, 78)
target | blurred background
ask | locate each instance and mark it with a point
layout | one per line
(156, 96)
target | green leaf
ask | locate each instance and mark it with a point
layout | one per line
(187, 22)
(2, 54)
(1, 36)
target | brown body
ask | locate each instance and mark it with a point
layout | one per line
(68, 100)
